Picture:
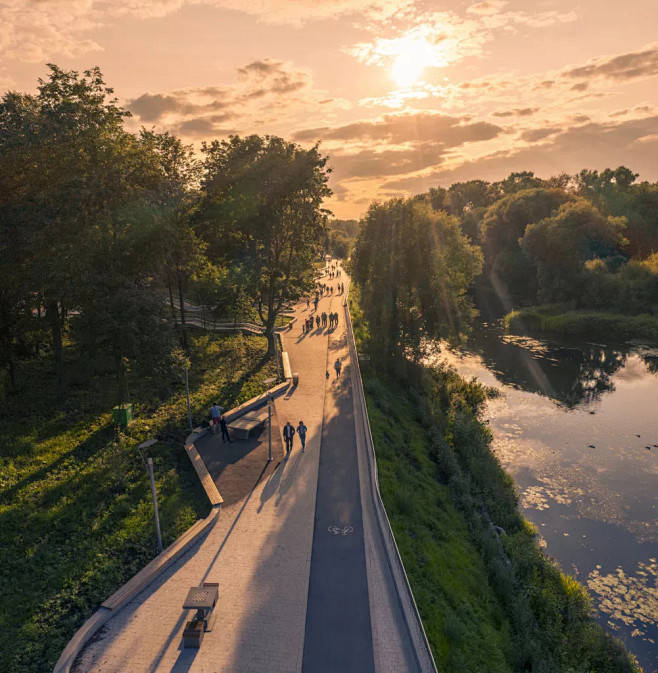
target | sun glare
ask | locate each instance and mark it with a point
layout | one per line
(413, 55)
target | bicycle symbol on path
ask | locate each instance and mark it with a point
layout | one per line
(336, 530)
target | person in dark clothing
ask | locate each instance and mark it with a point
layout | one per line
(301, 431)
(317, 320)
(288, 435)
(224, 428)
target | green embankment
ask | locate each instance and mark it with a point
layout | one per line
(490, 601)
(76, 519)
(594, 324)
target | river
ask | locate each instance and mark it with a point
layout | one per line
(577, 428)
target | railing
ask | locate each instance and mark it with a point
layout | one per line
(414, 624)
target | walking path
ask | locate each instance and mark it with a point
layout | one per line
(303, 583)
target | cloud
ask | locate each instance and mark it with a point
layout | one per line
(534, 135)
(594, 145)
(622, 67)
(487, 7)
(517, 112)
(407, 128)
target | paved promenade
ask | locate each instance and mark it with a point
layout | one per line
(293, 594)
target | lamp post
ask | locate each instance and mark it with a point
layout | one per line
(267, 383)
(189, 408)
(149, 467)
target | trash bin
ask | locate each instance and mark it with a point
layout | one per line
(122, 414)
(295, 379)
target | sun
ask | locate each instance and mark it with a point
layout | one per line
(413, 56)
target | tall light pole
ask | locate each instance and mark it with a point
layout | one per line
(149, 467)
(267, 383)
(187, 391)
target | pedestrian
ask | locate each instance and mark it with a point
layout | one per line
(222, 424)
(317, 320)
(215, 415)
(336, 319)
(331, 320)
(301, 431)
(324, 319)
(288, 435)
(316, 303)
(308, 303)
(338, 366)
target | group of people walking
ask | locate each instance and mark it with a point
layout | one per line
(323, 319)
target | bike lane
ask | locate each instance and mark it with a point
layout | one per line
(338, 635)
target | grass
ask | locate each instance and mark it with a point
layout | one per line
(489, 601)
(466, 627)
(76, 517)
(596, 324)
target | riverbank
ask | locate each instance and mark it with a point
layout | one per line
(488, 597)
(591, 324)
(75, 508)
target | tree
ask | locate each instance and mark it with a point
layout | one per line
(414, 267)
(261, 208)
(561, 245)
(56, 144)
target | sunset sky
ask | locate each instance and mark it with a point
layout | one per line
(403, 94)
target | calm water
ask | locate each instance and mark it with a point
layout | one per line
(577, 427)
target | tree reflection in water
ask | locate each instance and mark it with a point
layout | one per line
(570, 372)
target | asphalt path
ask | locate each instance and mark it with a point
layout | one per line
(338, 634)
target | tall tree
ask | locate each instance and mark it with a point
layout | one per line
(414, 267)
(262, 207)
(56, 143)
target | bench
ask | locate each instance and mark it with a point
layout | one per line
(242, 426)
(285, 361)
(202, 599)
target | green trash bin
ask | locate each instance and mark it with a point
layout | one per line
(122, 414)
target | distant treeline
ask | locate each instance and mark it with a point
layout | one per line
(100, 228)
(585, 241)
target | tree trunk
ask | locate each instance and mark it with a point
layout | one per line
(55, 323)
(182, 308)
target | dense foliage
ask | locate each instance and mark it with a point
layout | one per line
(587, 241)
(414, 267)
(98, 225)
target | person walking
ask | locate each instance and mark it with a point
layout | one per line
(301, 431)
(288, 435)
(308, 303)
(338, 365)
(316, 303)
(336, 319)
(317, 320)
(224, 427)
(215, 415)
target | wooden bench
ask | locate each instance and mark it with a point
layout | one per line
(242, 426)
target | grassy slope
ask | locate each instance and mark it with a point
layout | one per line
(76, 518)
(465, 625)
(584, 323)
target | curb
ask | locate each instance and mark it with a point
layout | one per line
(408, 606)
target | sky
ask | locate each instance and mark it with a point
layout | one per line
(403, 95)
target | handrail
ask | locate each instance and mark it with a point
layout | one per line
(418, 637)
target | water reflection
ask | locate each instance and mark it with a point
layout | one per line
(572, 373)
(577, 428)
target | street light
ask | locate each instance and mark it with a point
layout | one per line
(149, 467)
(267, 383)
